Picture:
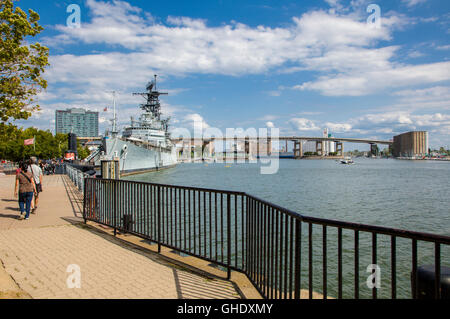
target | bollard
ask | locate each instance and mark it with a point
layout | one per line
(127, 221)
(426, 282)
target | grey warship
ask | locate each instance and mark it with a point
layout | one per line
(145, 145)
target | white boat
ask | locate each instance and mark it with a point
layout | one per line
(347, 161)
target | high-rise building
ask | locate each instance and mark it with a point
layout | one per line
(82, 122)
(411, 144)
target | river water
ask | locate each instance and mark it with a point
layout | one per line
(412, 195)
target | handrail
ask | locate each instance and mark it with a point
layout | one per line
(251, 235)
(443, 239)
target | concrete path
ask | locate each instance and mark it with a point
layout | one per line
(41, 254)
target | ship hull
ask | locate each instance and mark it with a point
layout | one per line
(136, 159)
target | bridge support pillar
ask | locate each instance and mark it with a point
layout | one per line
(373, 149)
(207, 149)
(247, 148)
(257, 148)
(192, 150)
(340, 149)
(319, 149)
(298, 149)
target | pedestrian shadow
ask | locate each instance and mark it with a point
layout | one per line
(9, 200)
(9, 216)
(16, 209)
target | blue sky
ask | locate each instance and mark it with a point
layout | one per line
(299, 66)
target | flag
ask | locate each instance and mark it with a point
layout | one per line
(30, 141)
(105, 109)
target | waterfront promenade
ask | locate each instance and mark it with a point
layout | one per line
(35, 254)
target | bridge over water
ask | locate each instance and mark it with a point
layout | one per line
(264, 144)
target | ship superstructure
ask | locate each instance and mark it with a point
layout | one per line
(144, 145)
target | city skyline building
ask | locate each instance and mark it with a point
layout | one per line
(411, 144)
(82, 122)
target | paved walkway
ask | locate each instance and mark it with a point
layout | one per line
(36, 253)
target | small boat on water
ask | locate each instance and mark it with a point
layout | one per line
(347, 161)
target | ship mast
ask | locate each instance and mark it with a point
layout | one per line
(152, 104)
(114, 120)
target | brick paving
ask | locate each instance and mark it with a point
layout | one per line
(37, 252)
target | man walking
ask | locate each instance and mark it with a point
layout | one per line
(34, 169)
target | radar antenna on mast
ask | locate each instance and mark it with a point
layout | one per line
(152, 104)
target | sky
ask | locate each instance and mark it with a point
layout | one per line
(300, 66)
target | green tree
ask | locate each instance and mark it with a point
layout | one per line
(83, 152)
(21, 64)
(46, 145)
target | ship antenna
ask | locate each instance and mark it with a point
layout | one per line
(152, 104)
(114, 121)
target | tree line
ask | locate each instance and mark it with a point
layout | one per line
(46, 145)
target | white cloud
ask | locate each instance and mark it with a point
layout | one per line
(339, 45)
(274, 93)
(415, 54)
(338, 127)
(412, 3)
(303, 124)
(194, 121)
(270, 124)
(268, 118)
(189, 45)
(437, 97)
(372, 81)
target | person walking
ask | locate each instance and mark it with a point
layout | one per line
(36, 171)
(25, 185)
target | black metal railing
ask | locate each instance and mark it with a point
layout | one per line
(284, 254)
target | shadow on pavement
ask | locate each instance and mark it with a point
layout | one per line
(10, 216)
(190, 281)
(9, 200)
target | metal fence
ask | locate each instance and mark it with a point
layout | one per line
(76, 175)
(282, 252)
(8, 168)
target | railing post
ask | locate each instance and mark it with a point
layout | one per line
(84, 203)
(297, 248)
(115, 206)
(228, 236)
(159, 219)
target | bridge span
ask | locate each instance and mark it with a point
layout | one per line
(207, 143)
(284, 138)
